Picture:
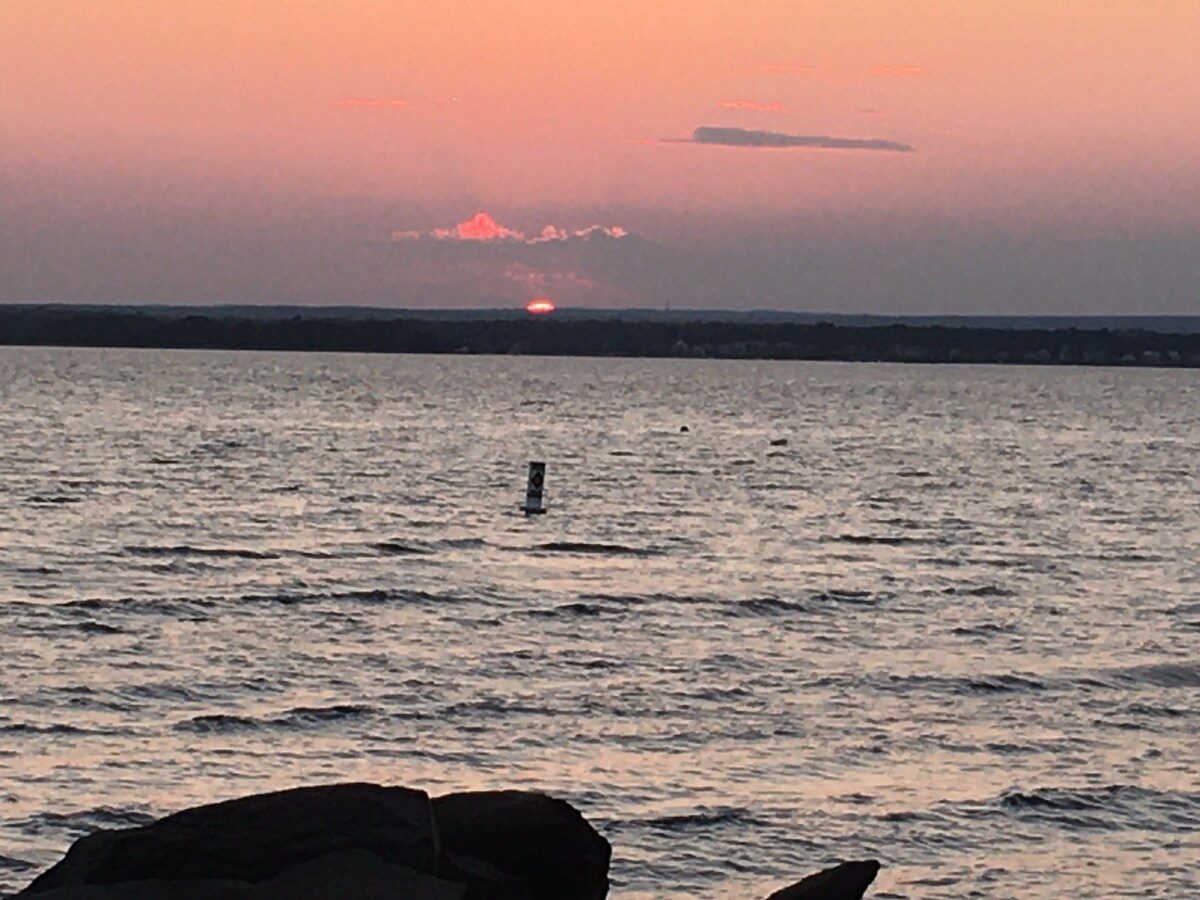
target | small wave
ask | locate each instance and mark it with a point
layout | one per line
(725, 695)
(57, 728)
(1117, 806)
(598, 549)
(983, 590)
(1009, 748)
(906, 815)
(983, 629)
(81, 822)
(216, 723)
(638, 599)
(87, 603)
(1162, 675)
(283, 598)
(187, 550)
(296, 718)
(166, 607)
(1049, 798)
(470, 543)
(1004, 684)
(850, 598)
(1024, 564)
(492, 706)
(766, 606)
(13, 864)
(399, 548)
(882, 540)
(1146, 710)
(963, 686)
(596, 663)
(303, 716)
(90, 627)
(52, 499)
(904, 523)
(217, 448)
(854, 798)
(160, 691)
(702, 818)
(572, 609)
(368, 595)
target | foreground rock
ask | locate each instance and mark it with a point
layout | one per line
(338, 842)
(345, 875)
(849, 881)
(542, 841)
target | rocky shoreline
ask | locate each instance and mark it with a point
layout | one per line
(367, 842)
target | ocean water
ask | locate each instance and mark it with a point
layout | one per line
(952, 623)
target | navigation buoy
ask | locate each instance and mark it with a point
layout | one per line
(533, 492)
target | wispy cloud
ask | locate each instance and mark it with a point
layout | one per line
(547, 280)
(553, 233)
(376, 102)
(901, 71)
(742, 137)
(751, 106)
(481, 227)
(776, 68)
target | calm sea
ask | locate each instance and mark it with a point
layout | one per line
(953, 622)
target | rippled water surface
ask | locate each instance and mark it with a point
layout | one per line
(952, 623)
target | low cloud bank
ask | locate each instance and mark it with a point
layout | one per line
(743, 137)
(744, 105)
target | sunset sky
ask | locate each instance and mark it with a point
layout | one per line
(952, 156)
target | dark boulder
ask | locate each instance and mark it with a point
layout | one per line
(253, 839)
(336, 876)
(354, 875)
(849, 881)
(150, 890)
(483, 881)
(543, 841)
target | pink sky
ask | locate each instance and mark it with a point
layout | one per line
(1071, 118)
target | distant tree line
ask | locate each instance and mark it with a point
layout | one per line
(117, 327)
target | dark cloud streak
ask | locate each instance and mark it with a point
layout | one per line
(742, 137)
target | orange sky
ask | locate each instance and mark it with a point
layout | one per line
(1043, 111)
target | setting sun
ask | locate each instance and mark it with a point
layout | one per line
(540, 306)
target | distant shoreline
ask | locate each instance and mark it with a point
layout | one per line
(643, 334)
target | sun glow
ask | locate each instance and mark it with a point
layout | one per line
(540, 306)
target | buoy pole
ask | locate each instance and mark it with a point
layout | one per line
(535, 489)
